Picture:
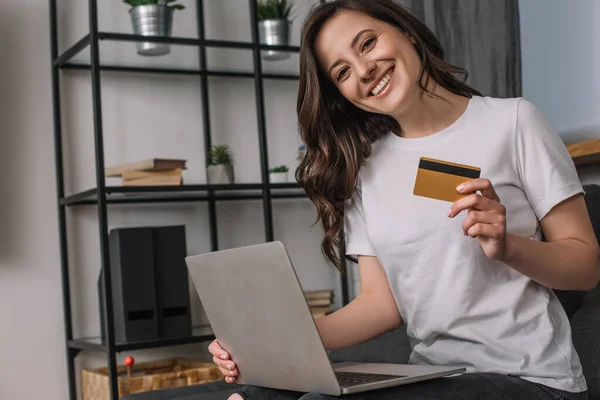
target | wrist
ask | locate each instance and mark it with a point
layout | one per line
(510, 249)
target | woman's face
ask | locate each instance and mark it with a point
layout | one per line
(373, 64)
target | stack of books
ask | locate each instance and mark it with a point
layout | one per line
(319, 302)
(150, 172)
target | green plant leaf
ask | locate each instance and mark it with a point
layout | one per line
(273, 9)
(278, 169)
(220, 154)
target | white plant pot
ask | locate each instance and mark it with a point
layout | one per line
(219, 174)
(278, 177)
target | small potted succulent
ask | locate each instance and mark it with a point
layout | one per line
(274, 26)
(278, 174)
(219, 166)
(152, 18)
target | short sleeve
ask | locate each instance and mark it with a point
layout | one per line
(355, 226)
(545, 166)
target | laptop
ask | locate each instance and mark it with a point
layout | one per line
(257, 309)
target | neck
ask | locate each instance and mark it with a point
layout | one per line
(427, 115)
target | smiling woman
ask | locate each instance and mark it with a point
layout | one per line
(467, 271)
(350, 53)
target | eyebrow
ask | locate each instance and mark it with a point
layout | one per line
(352, 44)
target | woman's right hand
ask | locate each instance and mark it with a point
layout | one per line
(222, 359)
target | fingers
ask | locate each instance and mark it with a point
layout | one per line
(227, 368)
(482, 217)
(480, 184)
(222, 360)
(476, 202)
(486, 230)
(216, 350)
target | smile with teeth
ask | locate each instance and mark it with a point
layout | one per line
(382, 84)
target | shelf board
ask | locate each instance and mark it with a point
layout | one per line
(200, 334)
(178, 71)
(183, 193)
(587, 152)
(80, 45)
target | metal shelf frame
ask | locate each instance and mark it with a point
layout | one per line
(102, 196)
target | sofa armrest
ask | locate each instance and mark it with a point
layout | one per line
(585, 325)
(391, 347)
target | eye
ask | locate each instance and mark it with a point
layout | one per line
(367, 44)
(341, 73)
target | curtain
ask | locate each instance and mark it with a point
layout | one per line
(481, 36)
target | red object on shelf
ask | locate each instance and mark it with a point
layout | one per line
(129, 362)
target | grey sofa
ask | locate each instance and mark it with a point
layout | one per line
(583, 309)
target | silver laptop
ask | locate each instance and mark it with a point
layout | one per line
(257, 310)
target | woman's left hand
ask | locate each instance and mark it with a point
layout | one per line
(486, 218)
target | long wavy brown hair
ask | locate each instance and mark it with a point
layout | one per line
(337, 134)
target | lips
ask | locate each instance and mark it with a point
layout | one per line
(381, 83)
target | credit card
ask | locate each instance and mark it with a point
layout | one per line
(438, 179)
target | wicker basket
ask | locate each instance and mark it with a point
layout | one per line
(148, 376)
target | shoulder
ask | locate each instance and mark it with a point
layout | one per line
(500, 105)
(518, 110)
(520, 105)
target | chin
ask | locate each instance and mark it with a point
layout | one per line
(390, 105)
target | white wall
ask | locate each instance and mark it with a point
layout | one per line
(561, 59)
(144, 116)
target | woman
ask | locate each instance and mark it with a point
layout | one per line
(470, 278)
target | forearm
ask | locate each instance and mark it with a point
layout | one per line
(364, 318)
(567, 264)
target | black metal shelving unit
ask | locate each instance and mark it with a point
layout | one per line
(102, 196)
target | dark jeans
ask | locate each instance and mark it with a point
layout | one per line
(484, 386)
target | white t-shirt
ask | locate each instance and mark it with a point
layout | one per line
(460, 307)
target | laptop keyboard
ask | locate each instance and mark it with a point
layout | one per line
(347, 379)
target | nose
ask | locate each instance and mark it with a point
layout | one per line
(365, 70)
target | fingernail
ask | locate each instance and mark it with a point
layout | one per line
(224, 356)
(460, 188)
(228, 366)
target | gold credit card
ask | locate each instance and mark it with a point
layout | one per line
(438, 179)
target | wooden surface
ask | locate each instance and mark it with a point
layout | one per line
(587, 152)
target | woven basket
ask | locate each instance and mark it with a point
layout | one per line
(148, 376)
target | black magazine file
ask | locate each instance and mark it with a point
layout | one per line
(149, 281)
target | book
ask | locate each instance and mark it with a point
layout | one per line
(132, 175)
(318, 294)
(151, 164)
(154, 181)
(319, 311)
(168, 177)
(318, 302)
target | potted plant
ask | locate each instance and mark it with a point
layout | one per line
(274, 26)
(219, 166)
(278, 174)
(152, 18)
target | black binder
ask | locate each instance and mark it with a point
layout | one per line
(149, 280)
